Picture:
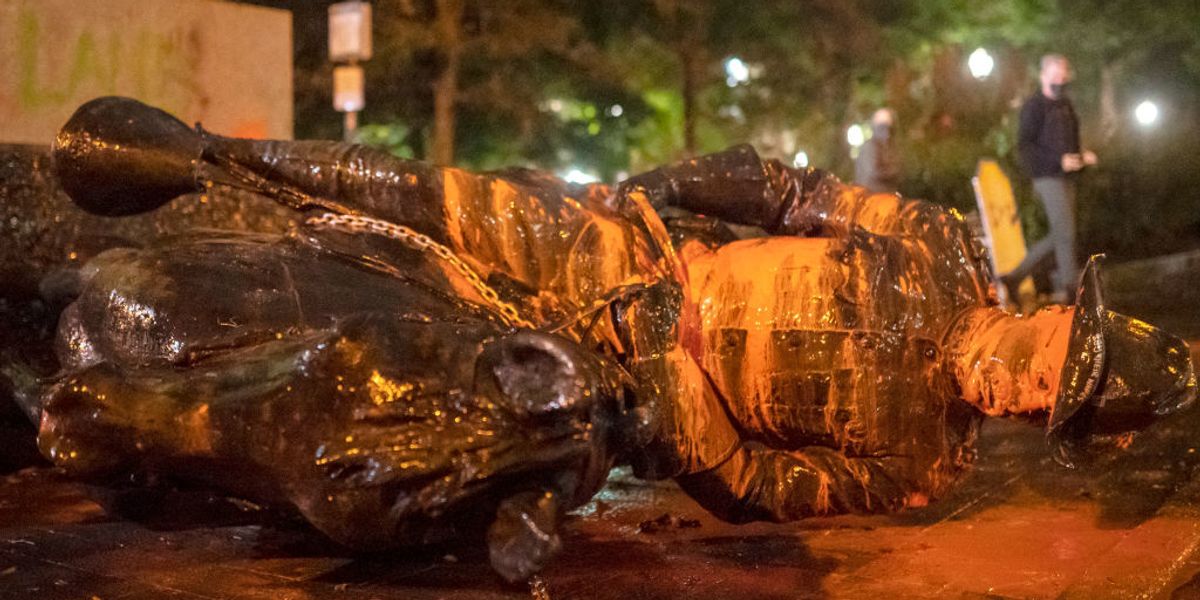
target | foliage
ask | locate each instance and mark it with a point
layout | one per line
(391, 137)
(619, 87)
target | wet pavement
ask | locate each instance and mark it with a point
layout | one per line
(1019, 526)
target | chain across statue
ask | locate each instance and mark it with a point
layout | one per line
(434, 352)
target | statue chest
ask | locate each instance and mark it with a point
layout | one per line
(825, 342)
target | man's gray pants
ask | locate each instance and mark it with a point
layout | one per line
(1058, 198)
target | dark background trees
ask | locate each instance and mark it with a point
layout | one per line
(609, 88)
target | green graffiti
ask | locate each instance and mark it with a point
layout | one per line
(29, 92)
(108, 75)
(83, 63)
(163, 53)
(147, 64)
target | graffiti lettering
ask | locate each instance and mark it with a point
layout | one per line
(157, 67)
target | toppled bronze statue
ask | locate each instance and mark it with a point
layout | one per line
(434, 352)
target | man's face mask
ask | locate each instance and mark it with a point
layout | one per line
(1059, 90)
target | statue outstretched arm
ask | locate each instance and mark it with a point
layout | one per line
(738, 186)
(361, 178)
(760, 484)
(117, 156)
(734, 185)
(515, 229)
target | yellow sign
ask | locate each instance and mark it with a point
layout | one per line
(1001, 223)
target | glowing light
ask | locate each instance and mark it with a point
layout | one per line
(736, 72)
(732, 111)
(616, 110)
(855, 135)
(578, 176)
(980, 63)
(800, 161)
(1146, 113)
(555, 105)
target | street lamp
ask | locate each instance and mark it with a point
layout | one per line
(800, 161)
(576, 175)
(980, 63)
(855, 136)
(348, 94)
(736, 71)
(349, 42)
(1146, 113)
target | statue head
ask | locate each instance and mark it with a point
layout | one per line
(1121, 374)
(1094, 371)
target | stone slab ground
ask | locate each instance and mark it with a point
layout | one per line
(1019, 526)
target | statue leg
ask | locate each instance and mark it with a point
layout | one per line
(781, 486)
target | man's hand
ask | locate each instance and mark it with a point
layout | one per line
(1072, 162)
(1089, 158)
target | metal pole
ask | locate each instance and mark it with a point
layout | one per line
(349, 43)
(349, 126)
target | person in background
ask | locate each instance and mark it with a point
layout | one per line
(1049, 149)
(878, 165)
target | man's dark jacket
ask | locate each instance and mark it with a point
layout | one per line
(1048, 130)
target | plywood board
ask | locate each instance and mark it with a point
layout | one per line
(228, 66)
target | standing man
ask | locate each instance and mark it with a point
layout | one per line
(1048, 144)
(878, 165)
